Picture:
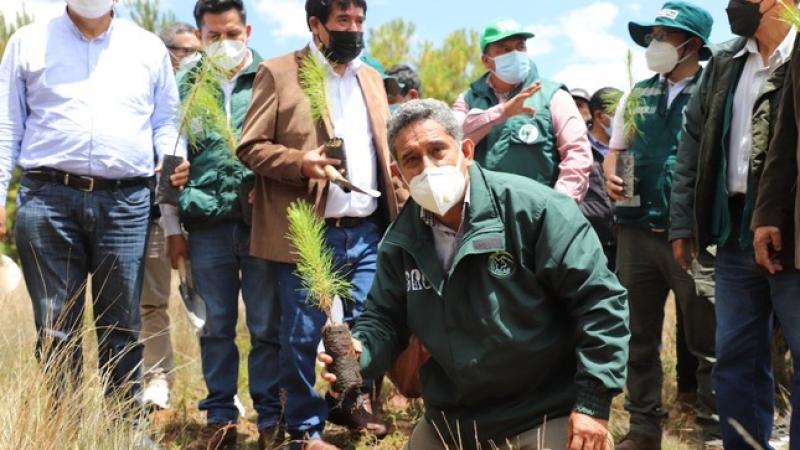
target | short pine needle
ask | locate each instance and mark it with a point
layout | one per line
(315, 265)
(201, 108)
(631, 114)
(790, 13)
(314, 82)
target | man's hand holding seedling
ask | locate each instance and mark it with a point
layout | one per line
(327, 360)
(314, 163)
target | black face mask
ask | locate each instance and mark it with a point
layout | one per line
(344, 46)
(744, 17)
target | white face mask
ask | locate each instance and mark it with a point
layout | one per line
(513, 67)
(227, 53)
(187, 62)
(90, 9)
(437, 189)
(662, 57)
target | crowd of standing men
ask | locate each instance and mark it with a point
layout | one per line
(510, 273)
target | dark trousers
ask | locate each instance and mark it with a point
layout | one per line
(355, 253)
(647, 269)
(63, 235)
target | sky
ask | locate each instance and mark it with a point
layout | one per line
(581, 43)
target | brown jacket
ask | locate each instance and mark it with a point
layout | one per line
(278, 130)
(778, 202)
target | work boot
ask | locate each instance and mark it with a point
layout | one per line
(215, 436)
(270, 438)
(637, 441)
(359, 417)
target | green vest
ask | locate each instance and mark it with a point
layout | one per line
(654, 149)
(524, 144)
(212, 194)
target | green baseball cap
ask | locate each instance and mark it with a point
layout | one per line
(681, 15)
(500, 29)
(374, 63)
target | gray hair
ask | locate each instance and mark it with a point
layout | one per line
(418, 110)
(171, 31)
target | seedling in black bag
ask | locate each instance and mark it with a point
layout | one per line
(201, 113)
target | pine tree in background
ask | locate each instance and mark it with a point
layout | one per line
(391, 42)
(445, 70)
(7, 28)
(147, 14)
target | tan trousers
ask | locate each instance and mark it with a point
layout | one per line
(552, 436)
(158, 362)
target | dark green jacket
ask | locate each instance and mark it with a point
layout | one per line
(699, 206)
(654, 149)
(524, 144)
(528, 322)
(212, 194)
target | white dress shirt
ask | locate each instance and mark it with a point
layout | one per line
(350, 119)
(754, 75)
(104, 107)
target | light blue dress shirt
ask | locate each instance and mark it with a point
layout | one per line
(104, 107)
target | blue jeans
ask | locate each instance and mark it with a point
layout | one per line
(746, 298)
(221, 267)
(63, 235)
(355, 254)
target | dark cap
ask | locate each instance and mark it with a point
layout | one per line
(405, 77)
(579, 93)
(679, 15)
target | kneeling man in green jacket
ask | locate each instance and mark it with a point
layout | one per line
(506, 285)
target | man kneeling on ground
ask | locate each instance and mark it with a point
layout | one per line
(506, 285)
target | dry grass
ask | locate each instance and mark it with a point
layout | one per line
(92, 424)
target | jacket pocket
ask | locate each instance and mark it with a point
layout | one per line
(200, 198)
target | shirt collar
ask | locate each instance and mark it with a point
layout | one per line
(352, 66)
(249, 58)
(430, 219)
(781, 54)
(74, 28)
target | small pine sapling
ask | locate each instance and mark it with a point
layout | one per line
(323, 283)
(200, 113)
(790, 13)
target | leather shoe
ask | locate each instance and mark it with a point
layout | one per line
(215, 436)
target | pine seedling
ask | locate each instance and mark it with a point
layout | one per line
(631, 112)
(323, 283)
(315, 265)
(314, 82)
(790, 13)
(201, 111)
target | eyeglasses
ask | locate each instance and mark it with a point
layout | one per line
(181, 52)
(659, 36)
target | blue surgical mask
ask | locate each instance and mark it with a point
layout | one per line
(513, 67)
(608, 128)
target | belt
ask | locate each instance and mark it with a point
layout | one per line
(346, 222)
(83, 183)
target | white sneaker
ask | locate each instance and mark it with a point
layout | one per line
(156, 393)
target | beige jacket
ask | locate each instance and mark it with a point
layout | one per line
(278, 130)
